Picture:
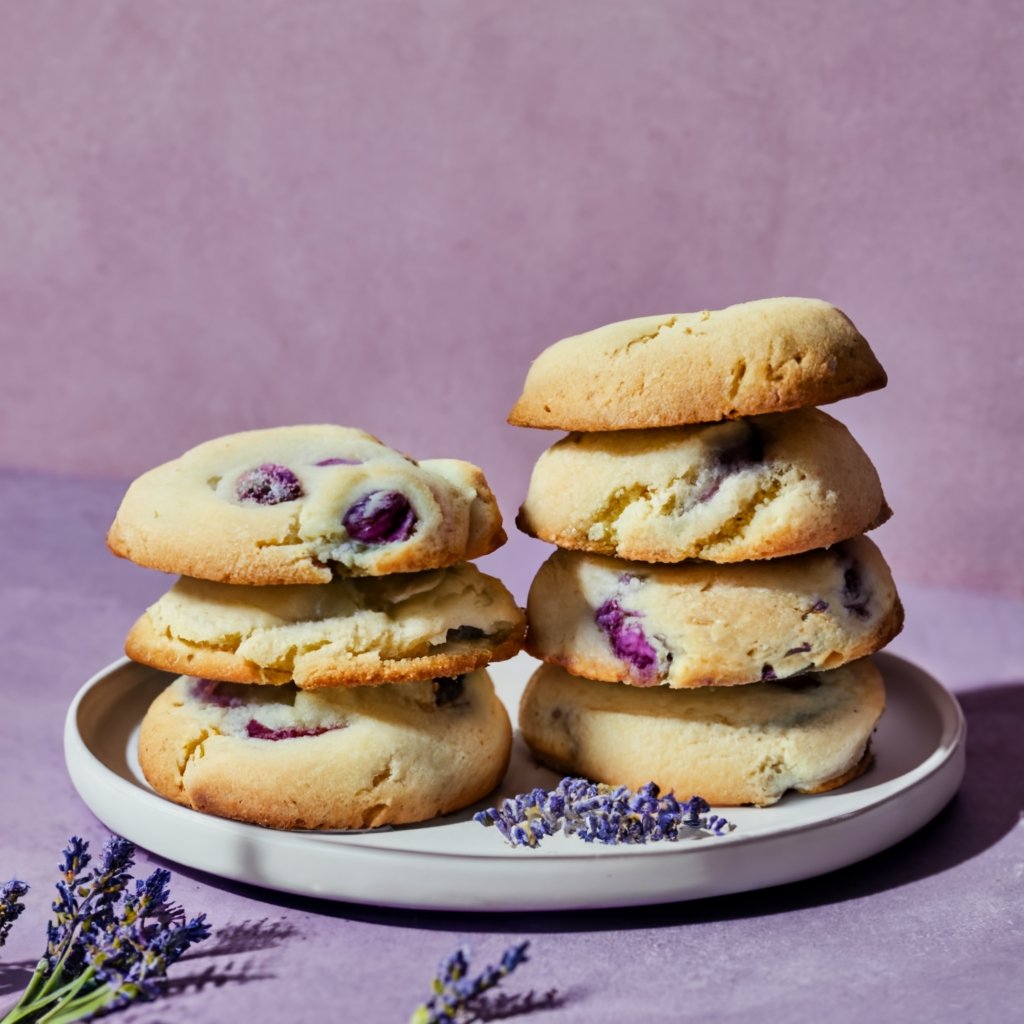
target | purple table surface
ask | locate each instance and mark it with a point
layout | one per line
(928, 930)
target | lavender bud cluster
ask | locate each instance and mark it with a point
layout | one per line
(10, 905)
(111, 938)
(455, 991)
(597, 812)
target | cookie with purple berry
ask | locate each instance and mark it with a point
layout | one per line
(699, 624)
(349, 632)
(341, 758)
(301, 504)
(752, 488)
(662, 371)
(741, 745)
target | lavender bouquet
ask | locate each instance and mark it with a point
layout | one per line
(111, 939)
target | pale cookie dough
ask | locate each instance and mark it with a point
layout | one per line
(348, 632)
(299, 504)
(697, 625)
(334, 759)
(740, 745)
(661, 371)
(725, 492)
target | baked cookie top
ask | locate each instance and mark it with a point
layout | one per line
(732, 745)
(347, 632)
(752, 488)
(300, 504)
(331, 759)
(695, 624)
(658, 371)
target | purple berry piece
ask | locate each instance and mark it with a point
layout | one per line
(819, 606)
(337, 461)
(258, 731)
(799, 681)
(851, 581)
(855, 595)
(739, 454)
(447, 690)
(628, 640)
(269, 484)
(464, 633)
(768, 674)
(745, 451)
(801, 649)
(709, 490)
(380, 517)
(206, 690)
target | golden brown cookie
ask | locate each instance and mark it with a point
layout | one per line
(733, 745)
(334, 759)
(696, 624)
(753, 488)
(347, 632)
(299, 504)
(659, 371)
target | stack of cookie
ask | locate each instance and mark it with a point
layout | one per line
(331, 630)
(709, 523)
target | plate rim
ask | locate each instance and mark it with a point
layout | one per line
(80, 759)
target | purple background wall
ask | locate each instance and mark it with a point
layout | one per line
(222, 216)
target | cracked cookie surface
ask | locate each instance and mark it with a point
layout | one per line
(755, 357)
(300, 504)
(331, 759)
(347, 632)
(696, 624)
(745, 745)
(753, 488)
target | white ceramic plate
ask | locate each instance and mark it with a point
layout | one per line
(455, 864)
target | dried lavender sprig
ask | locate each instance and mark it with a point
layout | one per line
(110, 943)
(454, 991)
(10, 905)
(602, 813)
(83, 898)
(131, 966)
(143, 939)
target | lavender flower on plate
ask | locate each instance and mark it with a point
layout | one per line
(111, 939)
(595, 811)
(455, 992)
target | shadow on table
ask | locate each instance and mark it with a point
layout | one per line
(213, 964)
(14, 977)
(987, 807)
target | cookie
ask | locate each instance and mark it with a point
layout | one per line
(752, 488)
(696, 624)
(735, 745)
(299, 504)
(334, 759)
(347, 632)
(661, 371)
